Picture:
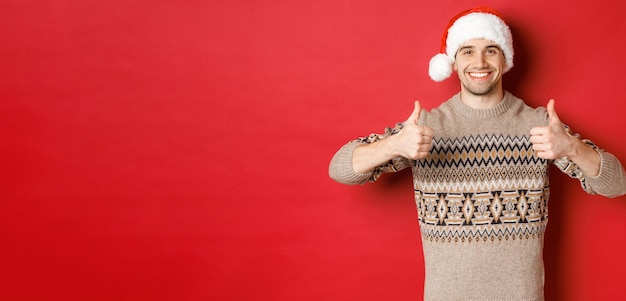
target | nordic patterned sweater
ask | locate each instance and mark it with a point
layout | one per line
(482, 198)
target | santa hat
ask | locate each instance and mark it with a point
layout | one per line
(476, 23)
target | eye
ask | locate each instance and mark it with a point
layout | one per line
(493, 51)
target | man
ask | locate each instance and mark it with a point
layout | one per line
(480, 169)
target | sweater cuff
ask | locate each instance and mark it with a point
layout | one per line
(341, 169)
(605, 182)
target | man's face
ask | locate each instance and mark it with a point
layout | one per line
(479, 64)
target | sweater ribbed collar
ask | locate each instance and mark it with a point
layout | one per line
(495, 111)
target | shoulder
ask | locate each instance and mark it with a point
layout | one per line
(519, 109)
(444, 111)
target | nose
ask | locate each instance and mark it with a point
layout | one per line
(481, 61)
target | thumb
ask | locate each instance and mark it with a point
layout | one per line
(415, 115)
(554, 118)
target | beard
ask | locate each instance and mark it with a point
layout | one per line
(480, 90)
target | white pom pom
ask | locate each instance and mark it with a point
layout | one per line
(440, 67)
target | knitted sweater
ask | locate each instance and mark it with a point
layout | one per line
(482, 198)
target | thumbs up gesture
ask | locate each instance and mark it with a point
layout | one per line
(413, 141)
(551, 141)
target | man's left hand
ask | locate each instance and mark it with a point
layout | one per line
(551, 141)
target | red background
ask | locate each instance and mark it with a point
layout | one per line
(178, 150)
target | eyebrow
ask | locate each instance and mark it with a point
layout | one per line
(494, 46)
(465, 47)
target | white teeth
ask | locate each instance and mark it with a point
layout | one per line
(476, 74)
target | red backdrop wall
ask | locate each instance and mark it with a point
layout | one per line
(178, 150)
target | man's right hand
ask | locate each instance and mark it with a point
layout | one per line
(413, 141)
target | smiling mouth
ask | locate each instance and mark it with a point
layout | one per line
(479, 75)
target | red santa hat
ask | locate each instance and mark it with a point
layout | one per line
(476, 23)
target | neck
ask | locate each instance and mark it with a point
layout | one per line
(483, 101)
